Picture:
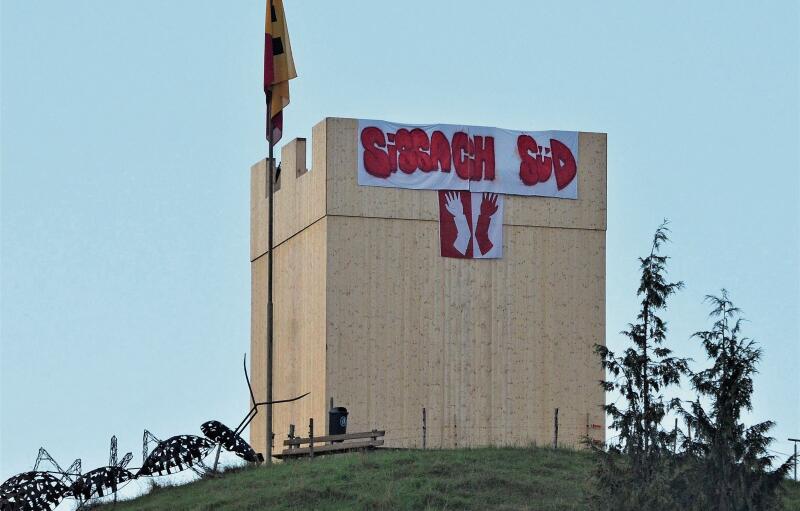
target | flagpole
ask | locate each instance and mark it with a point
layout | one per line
(270, 180)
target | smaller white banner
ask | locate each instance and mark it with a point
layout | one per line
(470, 224)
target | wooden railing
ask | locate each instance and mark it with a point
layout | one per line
(297, 447)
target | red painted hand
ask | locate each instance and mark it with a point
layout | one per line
(489, 204)
(488, 208)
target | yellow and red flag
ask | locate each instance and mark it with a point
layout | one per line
(278, 65)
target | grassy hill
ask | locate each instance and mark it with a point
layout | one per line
(491, 478)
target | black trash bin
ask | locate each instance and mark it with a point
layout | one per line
(337, 420)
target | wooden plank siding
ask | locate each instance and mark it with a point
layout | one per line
(369, 314)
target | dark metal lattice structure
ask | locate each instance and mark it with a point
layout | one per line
(32, 491)
(112, 452)
(47, 485)
(100, 482)
(180, 451)
(46, 463)
(221, 434)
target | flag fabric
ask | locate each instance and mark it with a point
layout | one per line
(278, 64)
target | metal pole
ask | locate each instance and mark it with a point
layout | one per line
(270, 179)
(795, 440)
(455, 430)
(424, 428)
(216, 461)
(311, 437)
(587, 428)
(555, 429)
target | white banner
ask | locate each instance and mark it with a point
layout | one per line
(474, 158)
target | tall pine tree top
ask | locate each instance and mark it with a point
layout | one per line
(646, 367)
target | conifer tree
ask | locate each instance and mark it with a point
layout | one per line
(644, 369)
(732, 465)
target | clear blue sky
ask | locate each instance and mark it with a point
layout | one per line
(128, 130)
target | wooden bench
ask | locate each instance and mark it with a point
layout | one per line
(297, 447)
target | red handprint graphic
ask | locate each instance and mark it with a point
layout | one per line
(456, 208)
(467, 230)
(488, 208)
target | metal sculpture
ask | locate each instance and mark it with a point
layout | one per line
(112, 455)
(104, 480)
(100, 482)
(221, 434)
(147, 439)
(43, 459)
(33, 491)
(231, 440)
(43, 490)
(254, 406)
(112, 452)
(198, 467)
(181, 452)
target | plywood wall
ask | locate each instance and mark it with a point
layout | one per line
(299, 268)
(488, 347)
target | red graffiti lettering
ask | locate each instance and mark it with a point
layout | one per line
(538, 163)
(376, 161)
(462, 154)
(411, 150)
(564, 163)
(527, 170)
(407, 155)
(422, 145)
(440, 151)
(483, 162)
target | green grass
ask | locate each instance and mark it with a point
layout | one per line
(791, 499)
(503, 479)
(490, 478)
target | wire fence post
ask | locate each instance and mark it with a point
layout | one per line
(555, 429)
(311, 437)
(214, 469)
(424, 428)
(587, 426)
(455, 430)
(328, 420)
(291, 435)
